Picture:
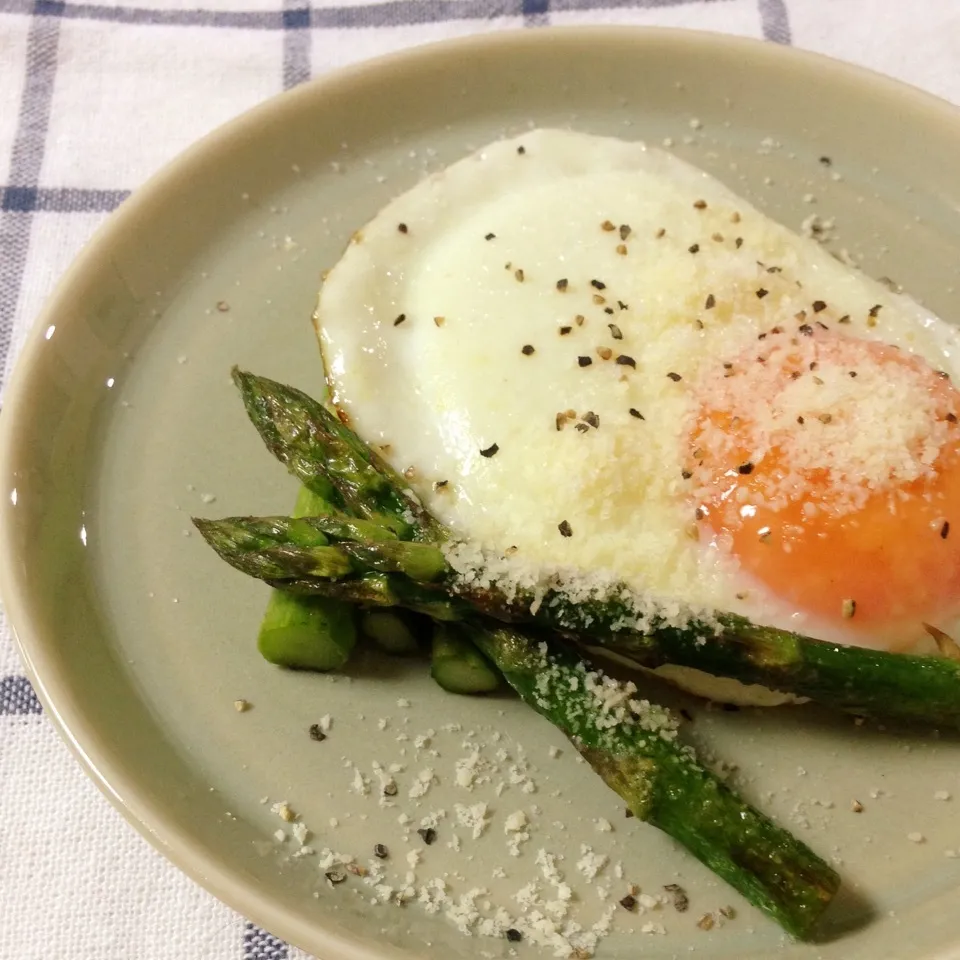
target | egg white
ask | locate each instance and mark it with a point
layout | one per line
(471, 257)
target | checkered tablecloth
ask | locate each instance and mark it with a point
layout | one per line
(94, 97)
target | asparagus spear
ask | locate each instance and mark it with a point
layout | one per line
(306, 633)
(318, 449)
(302, 632)
(457, 665)
(315, 444)
(633, 745)
(387, 629)
(866, 682)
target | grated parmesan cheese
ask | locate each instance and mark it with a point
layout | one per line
(425, 779)
(590, 863)
(877, 431)
(474, 817)
(516, 821)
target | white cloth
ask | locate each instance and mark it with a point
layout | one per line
(93, 99)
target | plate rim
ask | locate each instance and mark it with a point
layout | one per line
(61, 702)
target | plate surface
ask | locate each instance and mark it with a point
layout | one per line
(121, 423)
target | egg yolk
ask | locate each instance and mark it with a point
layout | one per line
(829, 467)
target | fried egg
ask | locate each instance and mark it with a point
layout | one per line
(592, 354)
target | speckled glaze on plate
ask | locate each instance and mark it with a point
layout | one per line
(121, 422)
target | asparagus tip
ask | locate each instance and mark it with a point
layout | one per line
(202, 524)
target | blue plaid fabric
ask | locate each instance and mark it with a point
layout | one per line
(94, 97)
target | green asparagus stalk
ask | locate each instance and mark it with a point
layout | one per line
(306, 633)
(923, 689)
(389, 631)
(277, 548)
(457, 665)
(302, 632)
(319, 450)
(633, 745)
(272, 548)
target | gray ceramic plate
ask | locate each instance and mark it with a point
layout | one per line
(121, 422)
